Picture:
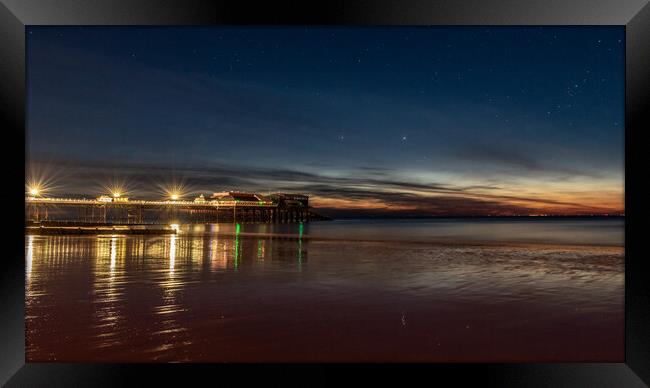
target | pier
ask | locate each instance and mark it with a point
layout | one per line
(220, 207)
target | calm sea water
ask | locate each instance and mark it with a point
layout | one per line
(481, 290)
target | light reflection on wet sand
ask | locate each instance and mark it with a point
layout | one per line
(214, 293)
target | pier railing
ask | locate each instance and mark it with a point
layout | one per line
(83, 210)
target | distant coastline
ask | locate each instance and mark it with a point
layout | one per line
(416, 217)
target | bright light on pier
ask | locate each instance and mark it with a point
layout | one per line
(34, 189)
(174, 191)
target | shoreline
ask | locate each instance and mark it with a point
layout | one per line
(448, 243)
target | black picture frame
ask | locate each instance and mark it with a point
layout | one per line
(633, 14)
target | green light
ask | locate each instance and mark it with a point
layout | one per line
(300, 231)
(237, 250)
(299, 255)
(259, 249)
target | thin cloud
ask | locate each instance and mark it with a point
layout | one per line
(519, 161)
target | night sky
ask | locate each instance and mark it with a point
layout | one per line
(399, 121)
